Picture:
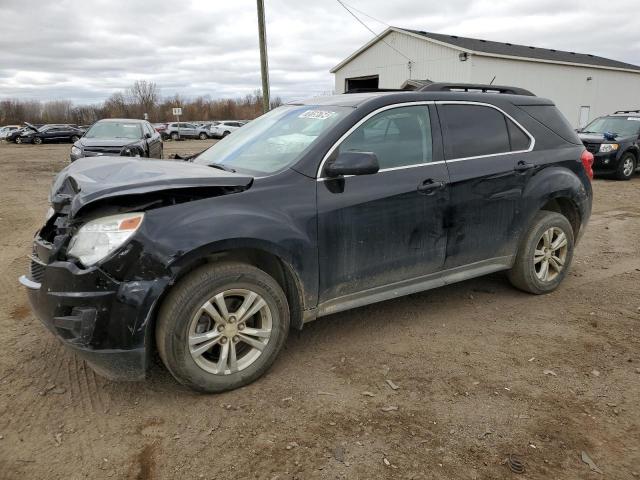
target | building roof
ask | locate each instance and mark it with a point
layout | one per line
(525, 51)
(504, 50)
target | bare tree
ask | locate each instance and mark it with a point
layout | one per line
(57, 111)
(143, 96)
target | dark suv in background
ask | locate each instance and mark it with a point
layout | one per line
(614, 140)
(316, 207)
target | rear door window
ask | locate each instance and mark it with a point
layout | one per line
(474, 130)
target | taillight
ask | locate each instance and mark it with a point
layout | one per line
(587, 163)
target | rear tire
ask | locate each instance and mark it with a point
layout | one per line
(545, 254)
(175, 136)
(193, 330)
(203, 136)
(18, 140)
(626, 167)
(36, 140)
(75, 138)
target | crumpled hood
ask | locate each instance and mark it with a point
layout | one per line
(90, 179)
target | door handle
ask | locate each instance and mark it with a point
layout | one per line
(523, 166)
(429, 186)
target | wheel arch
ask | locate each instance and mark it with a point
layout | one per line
(258, 255)
(633, 150)
(559, 190)
(567, 208)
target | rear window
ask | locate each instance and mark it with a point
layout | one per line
(551, 117)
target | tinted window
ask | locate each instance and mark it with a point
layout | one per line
(399, 137)
(551, 117)
(518, 139)
(472, 130)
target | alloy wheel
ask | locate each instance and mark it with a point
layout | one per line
(550, 254)
(628, 167)
(230, 331)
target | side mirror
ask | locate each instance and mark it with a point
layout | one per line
(353, 163)
(147, 136)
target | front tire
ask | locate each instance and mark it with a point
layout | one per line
(626, 167)
(18, 140)
(226, 134)
(175, 136)
(222, 326)
(203, 136)
(545, 254)
(75, 138)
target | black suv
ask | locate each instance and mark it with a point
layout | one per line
(614, 140)
(314, 208)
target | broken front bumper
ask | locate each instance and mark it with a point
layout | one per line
(103, 320)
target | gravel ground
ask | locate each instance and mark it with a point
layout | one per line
(483, 372)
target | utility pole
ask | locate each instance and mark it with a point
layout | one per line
(264, 63)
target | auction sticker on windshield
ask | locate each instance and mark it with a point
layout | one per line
(635, 119)
(317, 114)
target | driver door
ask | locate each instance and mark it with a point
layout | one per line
(381, 229)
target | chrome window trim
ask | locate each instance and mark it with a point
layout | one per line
(356, 125)
(532, 140)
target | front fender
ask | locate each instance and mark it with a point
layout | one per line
(260, 218)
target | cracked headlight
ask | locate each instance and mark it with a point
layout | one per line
(609, 147)
(98, 238)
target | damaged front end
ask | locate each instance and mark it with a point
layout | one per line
(99, 297)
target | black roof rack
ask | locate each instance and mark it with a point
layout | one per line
(626, 111)
(475, 87)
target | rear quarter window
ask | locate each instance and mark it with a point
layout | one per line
(551, 118)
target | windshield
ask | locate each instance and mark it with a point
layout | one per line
(273, 141)
(619, 125)
(130, 130)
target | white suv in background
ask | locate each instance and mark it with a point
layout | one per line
(225, 127)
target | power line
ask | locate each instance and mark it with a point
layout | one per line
(368, 28)
(365, 14)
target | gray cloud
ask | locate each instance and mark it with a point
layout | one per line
(85, 50)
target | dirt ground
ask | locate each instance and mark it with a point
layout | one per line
(483, 371)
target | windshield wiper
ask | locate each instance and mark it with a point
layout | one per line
(219, 166)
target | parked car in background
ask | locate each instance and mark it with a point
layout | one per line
(178, 130)
(387, 194)
(49, 133)
(226, 127)
(7, 129)
(159, 127)
(119, 137)
(614, 141)
(12, 135)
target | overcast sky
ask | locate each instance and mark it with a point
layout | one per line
(84, 50)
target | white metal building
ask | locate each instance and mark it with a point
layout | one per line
(582, 86)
